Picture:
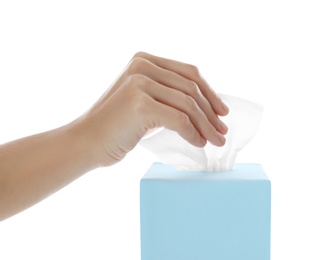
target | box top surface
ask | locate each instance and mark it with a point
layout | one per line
(240, 171)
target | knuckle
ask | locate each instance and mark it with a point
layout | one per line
(137, 65)
(140, 54)
(191, 103)
(137, 100)
(133, 79)
(137, 80)
(193, 89)
(183, 121)
(194, 71)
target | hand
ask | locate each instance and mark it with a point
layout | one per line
(152, 92)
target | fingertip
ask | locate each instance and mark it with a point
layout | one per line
(221, 140)
(219, 107)
(225, 109)
(224, 128)
(203, 141)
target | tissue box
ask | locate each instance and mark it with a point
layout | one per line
(205, 215)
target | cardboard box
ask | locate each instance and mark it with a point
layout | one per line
(205, 215)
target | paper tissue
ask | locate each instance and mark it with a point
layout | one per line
(198, 205)
(243, 121)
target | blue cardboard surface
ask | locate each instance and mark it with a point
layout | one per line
(205, 215)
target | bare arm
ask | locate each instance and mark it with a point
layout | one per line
(151, 92)
(34, 167)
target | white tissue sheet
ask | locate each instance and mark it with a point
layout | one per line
(243, 121)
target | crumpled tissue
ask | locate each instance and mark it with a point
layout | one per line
(243, 121)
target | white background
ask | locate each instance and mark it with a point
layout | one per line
(58, 57)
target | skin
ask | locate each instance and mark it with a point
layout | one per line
(151, 92)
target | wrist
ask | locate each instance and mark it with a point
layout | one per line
(82, 145)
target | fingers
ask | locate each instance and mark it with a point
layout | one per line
(184, 112)
(175, 121)
(173, 80)
(180, 99)
(190, 72)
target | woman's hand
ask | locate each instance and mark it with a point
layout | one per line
(152, 92)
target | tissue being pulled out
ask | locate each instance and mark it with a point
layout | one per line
(243, 121)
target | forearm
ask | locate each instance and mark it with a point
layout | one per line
(34, 167)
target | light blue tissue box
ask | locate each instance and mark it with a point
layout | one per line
(205, 215)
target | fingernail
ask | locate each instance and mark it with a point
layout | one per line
(224, 127)
(225, 107)
(222, 139)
